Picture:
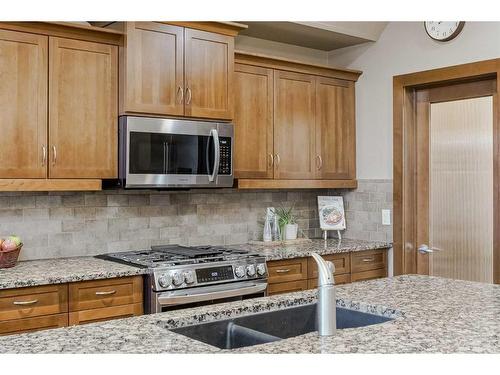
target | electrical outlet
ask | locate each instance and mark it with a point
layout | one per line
(386, 217)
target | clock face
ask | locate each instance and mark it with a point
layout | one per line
(443, 30)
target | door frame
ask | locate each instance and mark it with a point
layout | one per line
(404, 155)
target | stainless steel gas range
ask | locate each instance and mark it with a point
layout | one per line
(183, 277)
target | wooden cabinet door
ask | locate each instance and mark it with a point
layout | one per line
(209, 66)
(294, 113)
(83, 109)
(154, 81)
(253, 122)
(23, 99)
(335, 129)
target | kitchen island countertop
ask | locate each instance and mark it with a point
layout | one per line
(431, 315)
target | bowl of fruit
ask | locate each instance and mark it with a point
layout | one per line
(10, 248)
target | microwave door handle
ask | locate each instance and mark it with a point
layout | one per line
(165, 157)
(215, 135)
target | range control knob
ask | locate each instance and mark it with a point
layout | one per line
(189, 277)
(239, 271)
(261, 269)
(251, 270)
(165, 280)
(177, 278)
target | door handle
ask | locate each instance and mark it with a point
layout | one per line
(44, 155)
(278, 160)
(319, 164)
(215, 135)
(181, 92)
(54, 152)
(425, 249)
(189, 95)
(271, 160)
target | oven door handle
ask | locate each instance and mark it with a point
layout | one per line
(180, 297)
(215, 135)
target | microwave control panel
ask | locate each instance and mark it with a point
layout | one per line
(225, 155)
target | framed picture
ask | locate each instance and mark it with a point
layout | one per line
(331, 213)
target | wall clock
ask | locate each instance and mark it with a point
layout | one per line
(443, 31)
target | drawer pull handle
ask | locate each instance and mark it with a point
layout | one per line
(366, 260)
(24, 303)
(286, 270)
(105, 293)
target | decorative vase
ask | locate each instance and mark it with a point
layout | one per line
(290, 232)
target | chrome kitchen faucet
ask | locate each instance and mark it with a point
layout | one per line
(327, 303)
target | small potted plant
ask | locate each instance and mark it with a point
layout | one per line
(287, 222)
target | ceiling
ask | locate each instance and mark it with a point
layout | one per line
(325, 36)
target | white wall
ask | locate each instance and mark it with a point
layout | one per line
(403, 47)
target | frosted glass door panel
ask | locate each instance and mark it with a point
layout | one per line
(461, 189)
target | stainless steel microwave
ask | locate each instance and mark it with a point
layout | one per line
(171, 153)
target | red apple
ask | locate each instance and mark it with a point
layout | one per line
(8, 245)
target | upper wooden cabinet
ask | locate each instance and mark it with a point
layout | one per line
(209, 60)
(313, 124)
(253, 116)
(23, 105)
(173, 70)
(58, 106)
(294, 113)
(154, 68)
(335, 129)
(83, 113)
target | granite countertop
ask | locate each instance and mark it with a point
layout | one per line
(65, 270)
(431, 315)
(320, 246)
(62, 270)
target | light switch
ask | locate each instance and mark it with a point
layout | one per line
(386, 217)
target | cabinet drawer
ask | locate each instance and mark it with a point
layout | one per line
(30, 302)
(287, 287)
(339, 279)
(33, 324)
(368, 260)
(287, 270)
(105, 293)
(342, 263)
(369, 275)
(105, 313)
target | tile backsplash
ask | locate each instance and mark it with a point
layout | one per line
(76, 223)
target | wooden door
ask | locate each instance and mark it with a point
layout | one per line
(209, 66)
(455, 180)
(253, 122)
(154, 81)
(83, 113)
(294, 123)
(335, 129)
(23, 99)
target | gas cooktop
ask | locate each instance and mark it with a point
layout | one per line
(173, 255)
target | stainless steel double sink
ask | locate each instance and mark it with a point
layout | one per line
(271, 326)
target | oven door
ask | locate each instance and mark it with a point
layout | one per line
(156, 152)
(199, 296)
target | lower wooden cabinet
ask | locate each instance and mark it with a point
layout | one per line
(287, 287)
(292, 275)
(94, 301)
(369, 275)
(105, 313)
(33, 308)
(52, 306)
(33, 324)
